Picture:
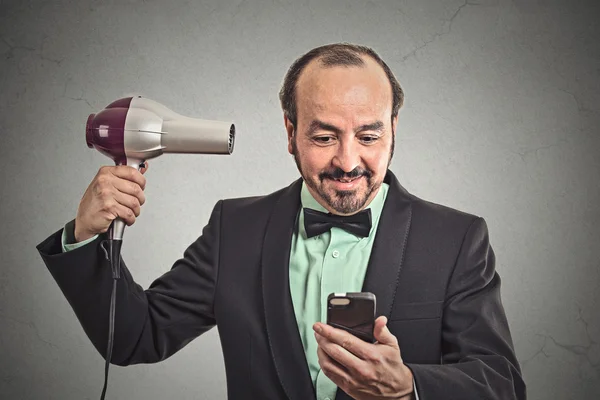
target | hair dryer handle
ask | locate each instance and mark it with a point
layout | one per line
(117, 227)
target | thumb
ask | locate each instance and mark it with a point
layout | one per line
(382, 333)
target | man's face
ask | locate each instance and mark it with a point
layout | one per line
(344, 136)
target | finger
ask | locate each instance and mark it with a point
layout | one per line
(333, 370)
(357, 347)
(128, 201)
(120, 211)
(382, 333)
(129, 173)
(341, 355)
(130, 188)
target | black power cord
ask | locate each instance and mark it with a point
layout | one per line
(112, 252)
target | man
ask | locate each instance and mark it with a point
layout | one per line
(263, 267)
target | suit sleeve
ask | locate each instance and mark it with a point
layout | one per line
(478, 359)
(150, 325)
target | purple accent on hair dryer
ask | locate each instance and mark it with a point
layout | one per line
(105, 131)
(121, 103)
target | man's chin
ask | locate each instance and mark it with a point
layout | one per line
(345, 202)
(337, 194)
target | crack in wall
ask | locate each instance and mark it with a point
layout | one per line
(80, 98)
(437, 35)
(38, 52)
(32, 326)
(580, 107)
(11, 48)
(581, 351)
(526, 152)
(541, 350)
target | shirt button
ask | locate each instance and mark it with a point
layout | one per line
(335, 254)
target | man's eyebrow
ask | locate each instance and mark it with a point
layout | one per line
(316, 125)
(375, 126)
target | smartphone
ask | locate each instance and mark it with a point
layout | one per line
(352, 312)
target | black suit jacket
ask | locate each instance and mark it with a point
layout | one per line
(431, 268)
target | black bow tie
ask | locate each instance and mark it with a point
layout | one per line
(316, 222)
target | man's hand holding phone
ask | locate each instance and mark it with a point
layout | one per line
(362, 369)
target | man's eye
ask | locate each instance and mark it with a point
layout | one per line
(369, 139)
(323, 139)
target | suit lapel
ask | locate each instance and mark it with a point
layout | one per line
(282, 329)
(387, 255)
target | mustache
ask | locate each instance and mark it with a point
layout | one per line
(338, 173)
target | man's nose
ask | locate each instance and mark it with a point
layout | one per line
(347, 157)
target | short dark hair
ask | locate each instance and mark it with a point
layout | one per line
(330, 55)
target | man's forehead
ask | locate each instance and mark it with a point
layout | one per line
(315, 70)
(320, 87)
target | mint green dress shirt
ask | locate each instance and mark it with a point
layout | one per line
(333, 262)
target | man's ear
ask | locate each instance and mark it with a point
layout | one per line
(289, 127)
(394, 124)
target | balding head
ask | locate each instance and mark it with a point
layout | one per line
(338, 54)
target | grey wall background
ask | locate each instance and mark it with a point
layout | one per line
(501, 120)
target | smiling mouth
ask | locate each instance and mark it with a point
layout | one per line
(346, 180)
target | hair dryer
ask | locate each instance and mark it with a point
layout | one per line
(135, 129)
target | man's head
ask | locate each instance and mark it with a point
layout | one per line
(340, 105)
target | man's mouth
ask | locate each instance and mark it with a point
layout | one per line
(346, 180)
(346, 183)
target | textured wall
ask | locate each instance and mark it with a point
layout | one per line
(501, 120)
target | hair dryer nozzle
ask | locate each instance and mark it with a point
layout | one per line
(231, 140)
(192, 135)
